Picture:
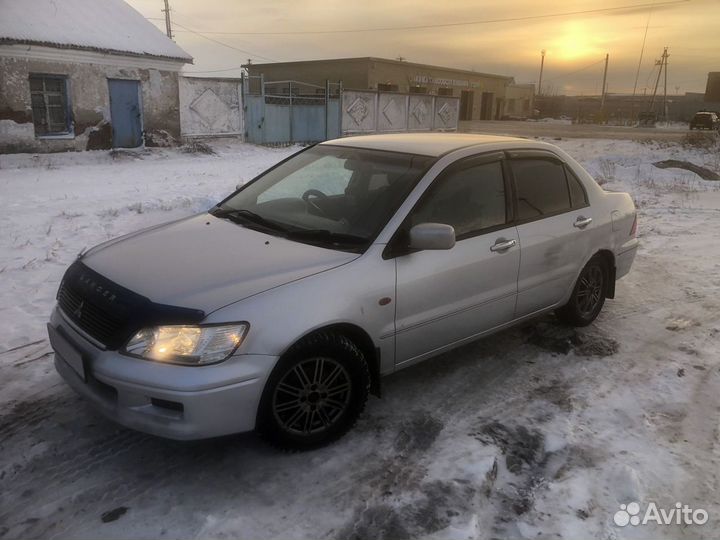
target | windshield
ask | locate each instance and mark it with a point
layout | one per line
(335, 196)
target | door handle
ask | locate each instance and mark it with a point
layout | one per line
(581, 222)
(502, 245)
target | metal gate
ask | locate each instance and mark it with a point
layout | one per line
(367, 111)
(282, 112)
(210, 106)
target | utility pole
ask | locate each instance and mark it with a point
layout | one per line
(657, 83)
(665, 107)
(168, 25)
(602, 99)
(662, 63)
(542, 65)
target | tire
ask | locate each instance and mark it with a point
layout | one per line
(315, 393)
(588, 296)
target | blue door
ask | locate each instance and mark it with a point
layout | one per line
(125, 113)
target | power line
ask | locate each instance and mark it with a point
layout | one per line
(216, 70)
(202, 35)
(576, 71)
(454, 24)
(250, 53)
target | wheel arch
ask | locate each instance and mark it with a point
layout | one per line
(609, 258)
(361, 339)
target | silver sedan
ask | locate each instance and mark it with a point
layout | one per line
(282, 307)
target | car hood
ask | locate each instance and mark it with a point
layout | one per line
(204, 262)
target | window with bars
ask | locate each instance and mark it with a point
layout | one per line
(49, 104)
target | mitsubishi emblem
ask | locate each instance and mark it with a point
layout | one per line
(78, 310)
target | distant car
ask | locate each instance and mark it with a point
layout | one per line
(705, 120)
(280, 308)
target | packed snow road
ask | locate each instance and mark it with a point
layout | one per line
(538, 432)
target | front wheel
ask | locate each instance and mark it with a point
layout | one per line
(315, 394)
(588, 296)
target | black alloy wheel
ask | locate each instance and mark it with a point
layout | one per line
(588, 296)
(312, 396)
(315, 393)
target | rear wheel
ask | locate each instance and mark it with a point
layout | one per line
(315, 394)
(588, 296)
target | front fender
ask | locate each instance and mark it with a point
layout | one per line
(348, 294)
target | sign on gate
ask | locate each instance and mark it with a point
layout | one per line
(367, 111)
(210, 107)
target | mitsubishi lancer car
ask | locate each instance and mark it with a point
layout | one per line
(281, 308)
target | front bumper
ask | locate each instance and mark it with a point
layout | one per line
(176, 402)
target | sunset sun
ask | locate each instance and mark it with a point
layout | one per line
(574, 42)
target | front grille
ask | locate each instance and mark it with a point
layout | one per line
(98, 323)
(111, 313)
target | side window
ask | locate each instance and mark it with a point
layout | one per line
(48, 95)
(578, 197)
(470, 199)
(541, 187)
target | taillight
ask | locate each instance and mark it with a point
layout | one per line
(633, 229)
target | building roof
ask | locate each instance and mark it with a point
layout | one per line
(424, 144)
(107, 26)
(386, 61)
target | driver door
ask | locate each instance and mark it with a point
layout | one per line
(446, 297)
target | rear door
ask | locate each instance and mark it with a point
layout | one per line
(553, 224)
(447, 296)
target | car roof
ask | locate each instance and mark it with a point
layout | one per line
(425, 144)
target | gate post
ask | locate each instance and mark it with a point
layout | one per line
(291, 112)
(327, 102)
(377, 110)
(241, 106)
(262, 94)
(407, 112)
(340, 108)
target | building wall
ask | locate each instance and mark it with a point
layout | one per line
(88, 95)
(353, 73)
(367, 73)
(622, 108)
(408, 75)
(519, 101)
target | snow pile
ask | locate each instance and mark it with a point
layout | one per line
(104, 25)
(564, 121)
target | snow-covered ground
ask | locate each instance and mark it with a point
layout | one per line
(537, 432)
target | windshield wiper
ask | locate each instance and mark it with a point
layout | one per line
(327, 235)
(248, 216)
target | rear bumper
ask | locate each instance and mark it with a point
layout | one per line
(625, 257)
(171, 401)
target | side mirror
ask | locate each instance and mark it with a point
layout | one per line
(432, 236)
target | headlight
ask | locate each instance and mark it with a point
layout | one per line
(192, 345)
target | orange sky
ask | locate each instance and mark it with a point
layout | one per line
(690, 28)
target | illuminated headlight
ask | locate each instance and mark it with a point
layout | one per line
(192, 345)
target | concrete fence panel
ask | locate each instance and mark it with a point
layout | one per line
(367, 111)
(359, 111)
(210, 107)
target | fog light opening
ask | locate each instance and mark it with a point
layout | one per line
(169, 405)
